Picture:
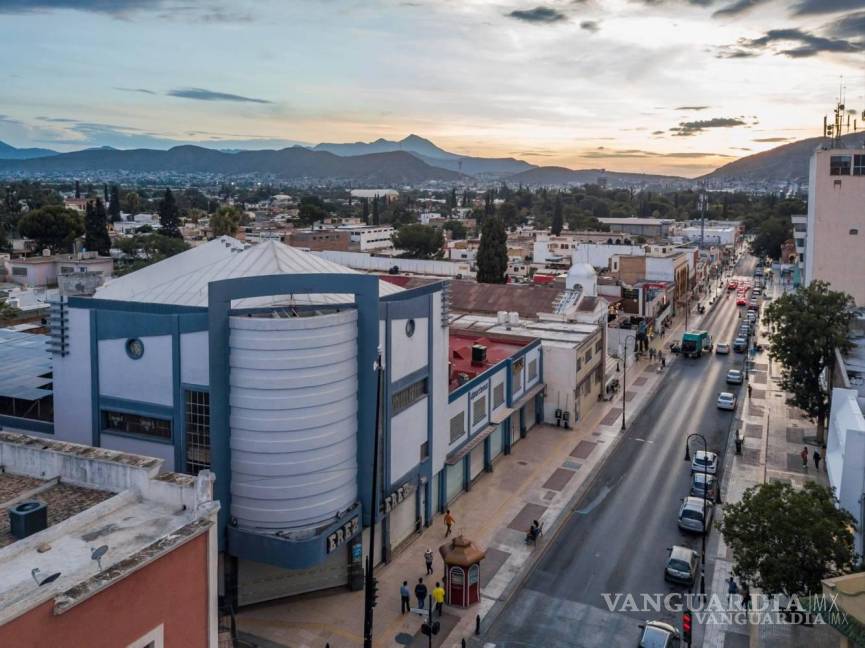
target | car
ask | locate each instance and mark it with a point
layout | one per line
(703, 484)
(753, 305)
(732, 285)
(740, 344)
(741, 301)
(751, 317)
(682, 565)
(726, 401)
(695, 514)
(734, 377)
(704, 462)
(722, 348)
(657, 634)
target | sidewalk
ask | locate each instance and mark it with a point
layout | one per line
(773, 434)
(540, 479)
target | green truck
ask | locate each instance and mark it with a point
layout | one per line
(695, 343)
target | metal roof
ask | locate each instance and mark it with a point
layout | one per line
(184, 278)
(28, 362)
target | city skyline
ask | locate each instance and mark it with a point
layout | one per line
(575, 84)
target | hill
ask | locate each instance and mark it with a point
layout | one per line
(296, 163)
(431, 154)
(9, 152)
(561, 176)
(786, 163)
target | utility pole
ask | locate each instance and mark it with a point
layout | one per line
(702, 203)
(371, 585)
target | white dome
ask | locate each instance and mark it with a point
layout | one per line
(584, 276)
(582, 271)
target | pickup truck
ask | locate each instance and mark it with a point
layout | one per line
(695, 343)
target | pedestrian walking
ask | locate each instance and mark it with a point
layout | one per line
(438, 595)
(420, 592)
(749, 390)
(804, 455)
(449, 522)
(428, 559)
(663, 361)
(817, 457)
(405, 598)
(732, 590)
(746, 596)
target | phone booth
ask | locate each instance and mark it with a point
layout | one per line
(462, 559)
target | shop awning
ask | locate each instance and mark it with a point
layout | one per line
(459, 454)
(530, 394)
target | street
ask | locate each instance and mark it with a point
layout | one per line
(616, 539)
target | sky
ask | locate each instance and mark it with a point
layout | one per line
(660, 86)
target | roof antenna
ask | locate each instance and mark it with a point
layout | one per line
(97, 553)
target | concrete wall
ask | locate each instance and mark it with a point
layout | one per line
(408, 354)
(408, 431)
(439, 385)
(194, 358)
(845, 454)
(148, 379)
(72, 397)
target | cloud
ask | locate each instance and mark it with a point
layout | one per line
(736, 8)
(729, 52)
(690, 128)
(849, 26)
(691, 108)
(539, 15)
(57, 120)
(811, 7)
(110, 7)
(659, 132)
(200, 94)
(591, 26)
(605, 153)
(139, 90)
(798, 43)
(773, 139)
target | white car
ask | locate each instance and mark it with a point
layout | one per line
(734, 377)
(695, 514)
(726, 401)
(704, 462)
(722, 348)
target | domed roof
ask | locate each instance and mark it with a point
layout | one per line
(582, 271)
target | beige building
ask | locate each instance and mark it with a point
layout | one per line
(835, 238)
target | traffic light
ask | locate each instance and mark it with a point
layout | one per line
(373, 592)
(686, 627)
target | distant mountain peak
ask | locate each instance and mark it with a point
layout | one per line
(9, 152)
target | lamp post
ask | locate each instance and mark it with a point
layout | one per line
(371, 585)
(625, 376)
(705, 504)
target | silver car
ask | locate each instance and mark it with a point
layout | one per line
(695, 515)
(734, 377)
(726, 401)
(681, 565)
(722, 348)
(704, 462)
(701, 484)
(657, 634)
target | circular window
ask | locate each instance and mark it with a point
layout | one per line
(134, 348)
(409, 328)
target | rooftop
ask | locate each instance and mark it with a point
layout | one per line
(94, 497)
(637, 221)
(54, 258)
(498, 348)
(551, 333)
(28, 365)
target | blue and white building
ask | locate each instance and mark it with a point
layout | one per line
(258, 362)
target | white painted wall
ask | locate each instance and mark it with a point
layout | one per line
(195, 358)
(560, 376)
(409, 353)
(598, 254)
(147, 379)
(72, 396)
(407, 434)
(845, 453)
(439, 386)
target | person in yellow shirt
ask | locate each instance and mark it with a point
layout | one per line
(438, 595)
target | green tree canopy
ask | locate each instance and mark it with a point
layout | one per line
(492, 259)
(225, 221)
(96, 237)
(143, 249)
(419, 241)
(169, 216)
(558, 218)
(311, 210)
(130, 202)
(456, 228)
(806, 327)
(786, 539)
(114, 204)
(771, 234)
(53, 227)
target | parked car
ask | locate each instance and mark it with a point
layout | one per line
(722, 348)
(726, 401)
(734, 377)
(741, 301)
(657, 634)
(695, 514)
(732, 285)
(704, 462)
(740, 344)
(682, 565)
(702, 483)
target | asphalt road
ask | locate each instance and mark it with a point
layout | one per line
(616, 539)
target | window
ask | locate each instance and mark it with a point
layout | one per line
(424, 451)
(854, 232)
(517, 374)
(197, 418)
(599, 375)
(588, 356)
(840, 165)
(136, 424)
(859, 165)
(579, 364)
(498, 395)
(479, 410)
(598, 346)
(457, 426)
(19, 272)
(533, 370)
(408, 396)
(66, 269)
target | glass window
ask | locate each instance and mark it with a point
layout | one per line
(533, 369)
(517, 374)
(479, 410)
(498, 395)
(197, 418)
(424, 451)
(859, 165)
(408, 396)
(458, 426)
(136, 424)
(840, 165)
(19, 272)
(598, 346)
(588, 356)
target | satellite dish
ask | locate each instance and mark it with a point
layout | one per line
(43, 580)
(97, 553)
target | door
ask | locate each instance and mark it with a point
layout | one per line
(403, 521)
(456, 587)
(477, 462)
(496, 442)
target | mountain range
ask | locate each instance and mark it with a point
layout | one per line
(410, 161)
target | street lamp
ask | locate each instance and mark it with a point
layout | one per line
(625, 376)
(705, 504)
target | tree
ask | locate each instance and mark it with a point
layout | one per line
(225, 221)
(419, 241)
(77, 189)
(53, 227)
(365, 210)
(786, 540)
(375, 215)
(492, 259)
(169, 217)
(772, 233)
(114, 204)
(143, 249)
(131, 202)
(456, 228)
(105, 192)
(8, 313)
(312, 210)
(96, 237)
(558, 220)
(806, 327)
